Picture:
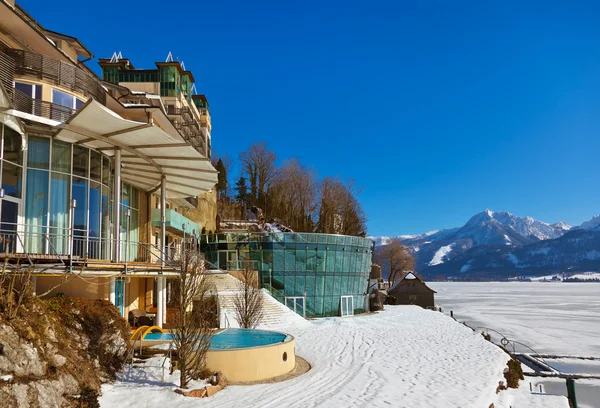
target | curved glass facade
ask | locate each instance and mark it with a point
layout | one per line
(316, 275)
(39, 183)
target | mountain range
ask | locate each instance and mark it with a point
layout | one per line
(500, 245)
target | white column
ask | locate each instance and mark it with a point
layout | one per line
(159, 302)
(164, 299)
(112, 296)
(116, 256)
(163, 217)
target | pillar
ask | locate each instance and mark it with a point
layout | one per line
(112, 296)
(164, 299)
(163, 218)
(116, 256)
(159, 302)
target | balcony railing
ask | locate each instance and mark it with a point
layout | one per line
(48, 246)
(48, 69)
(251, 265)
(175, 222)
(7, 71)
(27, 104)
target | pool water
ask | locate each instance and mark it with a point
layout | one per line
(233, 338)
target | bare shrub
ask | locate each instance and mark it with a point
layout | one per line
(248, 300)
(192, 331)
(15, 288)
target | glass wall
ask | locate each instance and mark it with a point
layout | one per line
(12, 184)
(319, 268)
(129, 223)
(55, 172)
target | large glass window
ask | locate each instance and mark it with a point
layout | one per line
(81, 161)
(36, 210)
(61, 157)
(38, 153)
(59, 214)
(56, 173)
(129, 223)
(321, 268)
(12, 148)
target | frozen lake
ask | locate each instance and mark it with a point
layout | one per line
(551, 318)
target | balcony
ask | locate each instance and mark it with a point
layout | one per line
(50, 248)
(175, 222)
(24, 103)
(43, 68)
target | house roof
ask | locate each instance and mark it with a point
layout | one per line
(409, 276)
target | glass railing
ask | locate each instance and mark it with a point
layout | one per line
(175, 220)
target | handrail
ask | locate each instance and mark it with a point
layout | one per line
(169, 354)
(505, 341)
(131, 352)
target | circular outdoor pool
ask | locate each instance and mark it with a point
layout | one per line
(245, 355)
(232, 338)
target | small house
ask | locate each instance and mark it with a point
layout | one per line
(410, 290)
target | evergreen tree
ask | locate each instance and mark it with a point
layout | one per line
(242, 190)
(221, 179)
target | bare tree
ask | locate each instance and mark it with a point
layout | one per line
(258, 166)
(192, 330)
(292, 196)
(339, 210)
(398, 258)
(248, 300)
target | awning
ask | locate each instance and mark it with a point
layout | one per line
(147, 151)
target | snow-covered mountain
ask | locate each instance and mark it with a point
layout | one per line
(521, 242)
(593, 224)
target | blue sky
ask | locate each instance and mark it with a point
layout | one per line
(437, 109)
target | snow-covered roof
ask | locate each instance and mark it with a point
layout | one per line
(409, 276)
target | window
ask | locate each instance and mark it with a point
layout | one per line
(65, 99)
(32, 90)
(63, 104)
(412, 298)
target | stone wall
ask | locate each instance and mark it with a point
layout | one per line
(205, 213)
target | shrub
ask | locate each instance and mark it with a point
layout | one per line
(513, 374)
(88, 398)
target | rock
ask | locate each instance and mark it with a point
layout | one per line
(198, 393)
(19, 357)
(59, 360)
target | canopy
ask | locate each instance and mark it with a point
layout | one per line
(147, 151)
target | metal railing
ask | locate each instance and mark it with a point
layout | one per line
(131, 352)
(37, 107)
(242, 265)
(7, 71)
(51, 70)
(168, 355)
(68, 245)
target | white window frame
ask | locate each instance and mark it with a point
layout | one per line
(349, 305)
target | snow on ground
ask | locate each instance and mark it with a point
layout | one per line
(404, 356)
(440, 254)
(552, 318)
(586, 276)
(537, 314)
